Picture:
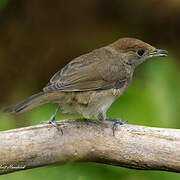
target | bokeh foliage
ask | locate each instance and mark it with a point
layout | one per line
(3, 4)
(30, 52)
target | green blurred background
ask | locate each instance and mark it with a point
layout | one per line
(38, 37)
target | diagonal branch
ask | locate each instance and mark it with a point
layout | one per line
(132, 146)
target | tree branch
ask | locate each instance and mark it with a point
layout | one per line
(132, 146)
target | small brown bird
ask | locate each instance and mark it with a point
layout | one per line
(89, 84)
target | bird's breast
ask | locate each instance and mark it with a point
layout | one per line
(89, 103)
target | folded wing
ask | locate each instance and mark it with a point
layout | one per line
(80, 75)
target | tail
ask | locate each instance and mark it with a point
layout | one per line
(27, 104)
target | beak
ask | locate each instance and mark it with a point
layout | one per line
(158, 53)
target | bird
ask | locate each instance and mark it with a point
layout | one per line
(90, 83)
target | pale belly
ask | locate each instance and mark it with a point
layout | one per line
(89, 103)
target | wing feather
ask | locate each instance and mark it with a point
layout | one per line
(84, 74)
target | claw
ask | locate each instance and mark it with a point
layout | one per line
(116, 123)
(52, 120)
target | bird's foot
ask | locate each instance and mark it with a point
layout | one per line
(116, 123)
(52, 120)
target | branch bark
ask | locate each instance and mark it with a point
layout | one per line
(132, 146)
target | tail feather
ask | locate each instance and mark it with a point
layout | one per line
(27, 104)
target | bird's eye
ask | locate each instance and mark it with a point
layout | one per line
(140, 52)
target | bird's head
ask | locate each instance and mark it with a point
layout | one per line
(134, 52)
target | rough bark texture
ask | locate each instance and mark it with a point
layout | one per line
(132, 146)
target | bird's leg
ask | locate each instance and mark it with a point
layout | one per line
(52, 120)
(116, 123)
